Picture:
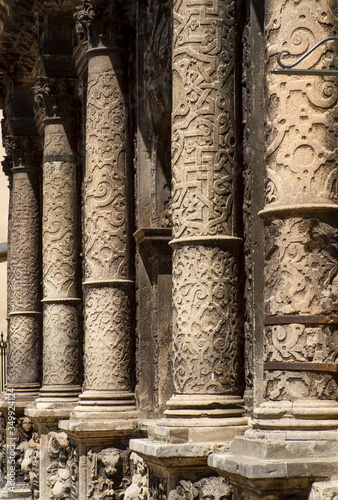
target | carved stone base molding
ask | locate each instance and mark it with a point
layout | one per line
(179, 471)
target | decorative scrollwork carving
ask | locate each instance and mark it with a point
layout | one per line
(56, 97)
(100, 25)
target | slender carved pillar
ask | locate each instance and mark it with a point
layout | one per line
(299, 417)
(60, 236)
(206, 297)
(24, 261)
(108, 282)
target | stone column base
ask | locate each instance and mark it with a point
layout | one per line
(278, 463)
(177, 469)
(198, 430)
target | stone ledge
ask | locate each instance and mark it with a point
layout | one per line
(255, 468)
(99, 428)
(171, 455)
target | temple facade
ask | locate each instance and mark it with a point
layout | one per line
(172, 249)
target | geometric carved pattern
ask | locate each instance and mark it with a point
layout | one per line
(203, 118)
(300, 126)
(106, 180)
(24, 276)
(60, 259)
(23, 352)
(60, 350)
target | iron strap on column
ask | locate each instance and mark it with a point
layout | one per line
(289, 68)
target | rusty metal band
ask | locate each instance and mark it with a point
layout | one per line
(316, 319)
(301, 366)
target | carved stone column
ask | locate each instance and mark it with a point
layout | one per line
(299, 418)
(108, 270)
(23, 373)
(207, 331)
(207, 405)
(60, 236)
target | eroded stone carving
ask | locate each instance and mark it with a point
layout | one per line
(138, 489)
(204, 169)
(63, 471)
(213, 488)
(30, 464)
(325, 490)
(109, 473)
(157, 489)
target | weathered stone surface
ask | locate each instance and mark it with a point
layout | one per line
(23, 257)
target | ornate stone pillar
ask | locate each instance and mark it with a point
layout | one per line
(299, 417)
(23, 372)
(207, 330)
(57, 111)
(22, 164)
(108, 270)
(60, 252)
(207, 405)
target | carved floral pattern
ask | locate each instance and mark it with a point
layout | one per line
(205, 299)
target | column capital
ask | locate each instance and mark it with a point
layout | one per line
(25, 151)
(56, 97)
